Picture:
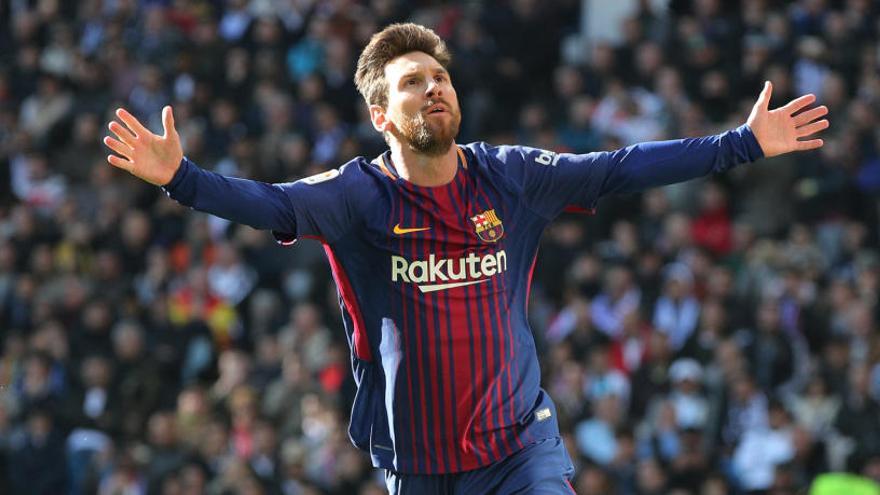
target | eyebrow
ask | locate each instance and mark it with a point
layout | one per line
(436, 70)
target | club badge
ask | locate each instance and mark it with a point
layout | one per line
(488, 226)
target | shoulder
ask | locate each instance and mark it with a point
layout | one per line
(356, 172)
(510, 154)
(351, 185)
(502, 153)
(491, 159)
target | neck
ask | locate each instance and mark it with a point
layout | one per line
(424, 170)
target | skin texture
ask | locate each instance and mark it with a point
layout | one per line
(423, 143)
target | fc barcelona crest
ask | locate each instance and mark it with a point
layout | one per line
(488, 226)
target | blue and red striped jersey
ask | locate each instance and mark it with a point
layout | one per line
(434, 281)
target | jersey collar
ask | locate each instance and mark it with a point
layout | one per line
(385, 164)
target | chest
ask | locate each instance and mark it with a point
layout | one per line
(448, 221)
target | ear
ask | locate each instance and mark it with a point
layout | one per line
(380, 119)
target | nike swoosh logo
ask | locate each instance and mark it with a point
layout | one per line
(401, 231)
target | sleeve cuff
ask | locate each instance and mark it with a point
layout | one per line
(182, 186)
(285, 239)
(751, 142)
(182, 171)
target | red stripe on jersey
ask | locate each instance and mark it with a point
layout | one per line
(359, 337)
(480, 454)
(529, 283)
(462, 400)
(468, 402)
(579, 209)
(446, 341)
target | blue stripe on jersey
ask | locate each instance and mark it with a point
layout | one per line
(513, 395)
(505, 335)
(392, 342)
(392, 354)
(494, 334)
(411, 461)
(501, 383)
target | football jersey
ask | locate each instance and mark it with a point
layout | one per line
(433, 282)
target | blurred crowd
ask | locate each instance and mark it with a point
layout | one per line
(715, 337)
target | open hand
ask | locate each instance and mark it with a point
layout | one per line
(780, 131)
(145, 155)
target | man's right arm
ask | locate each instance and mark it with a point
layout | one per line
(159, 160)
(257, 204)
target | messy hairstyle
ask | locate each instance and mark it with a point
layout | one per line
(388, 44)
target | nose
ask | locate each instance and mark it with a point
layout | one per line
(433, 89)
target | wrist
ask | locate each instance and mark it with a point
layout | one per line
(179, 174)
(753, 145)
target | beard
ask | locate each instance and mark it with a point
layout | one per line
(426, 138)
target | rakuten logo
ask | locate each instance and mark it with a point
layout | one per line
(470, 270)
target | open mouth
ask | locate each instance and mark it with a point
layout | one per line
(436, 109)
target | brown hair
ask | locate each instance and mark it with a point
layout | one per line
(388, 44)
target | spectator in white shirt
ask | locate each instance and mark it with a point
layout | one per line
(763, 449)
(677, 311)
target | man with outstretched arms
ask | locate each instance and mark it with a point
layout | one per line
(432, 246)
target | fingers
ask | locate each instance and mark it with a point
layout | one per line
(168, 121)
(810, 145)
(764, 98)
(810, 115)
(119, 162)
(812, 128)
(122, 133)
(119, 147)
(133, 124)
(799, 104)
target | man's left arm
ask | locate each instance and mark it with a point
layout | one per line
(766, 133)
(645, 165)
(556, 181)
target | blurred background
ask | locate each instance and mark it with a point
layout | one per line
(715, 337)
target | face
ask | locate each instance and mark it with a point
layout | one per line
(422, 110)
